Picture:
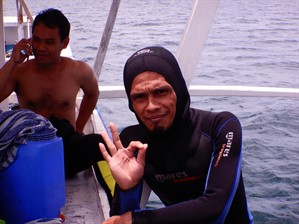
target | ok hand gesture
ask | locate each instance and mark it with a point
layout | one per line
(126, 169)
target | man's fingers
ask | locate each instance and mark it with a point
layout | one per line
(104, 152)
(115, 136)
(135, 145)
(141, 151)
(25, 47)
(141, 154)
(108, 142)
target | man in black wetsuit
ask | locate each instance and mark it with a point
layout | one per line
(191, 159)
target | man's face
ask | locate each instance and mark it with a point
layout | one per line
(154, 101)
(47, 44)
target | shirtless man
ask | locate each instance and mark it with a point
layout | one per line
(49, 83)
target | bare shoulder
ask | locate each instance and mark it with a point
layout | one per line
(81, 72)
(76, 64)
(78, 67)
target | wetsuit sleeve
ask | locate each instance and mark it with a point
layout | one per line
(128, 200)
(221, 183)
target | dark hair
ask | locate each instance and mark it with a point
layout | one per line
(53, 18)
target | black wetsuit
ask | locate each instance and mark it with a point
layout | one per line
(196, 173)
(195, 166)
(80, 151)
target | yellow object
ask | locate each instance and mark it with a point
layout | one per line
(2, 221)
(106, 173)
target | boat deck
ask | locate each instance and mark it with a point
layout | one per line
(84, 203)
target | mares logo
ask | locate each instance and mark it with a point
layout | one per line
(225, 149)
(229, 136)
(171, 176)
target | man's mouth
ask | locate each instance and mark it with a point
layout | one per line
(155, 118)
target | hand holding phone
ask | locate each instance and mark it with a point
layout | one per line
(22, 50)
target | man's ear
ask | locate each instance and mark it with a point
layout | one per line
(66, 42)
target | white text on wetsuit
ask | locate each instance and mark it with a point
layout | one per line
(229, 137)
(224, 152)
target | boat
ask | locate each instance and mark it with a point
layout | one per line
(86, 180)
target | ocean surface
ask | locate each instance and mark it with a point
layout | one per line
(251, 42)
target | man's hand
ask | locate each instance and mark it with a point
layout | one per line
(126, 169)
(21, 51)
(125, 218)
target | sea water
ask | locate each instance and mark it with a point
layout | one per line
(251, 42)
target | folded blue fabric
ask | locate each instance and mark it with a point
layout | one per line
(18, 127)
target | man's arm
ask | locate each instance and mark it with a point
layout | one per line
(90, 96)
(7, 82)
(7, 85)
(127, 168)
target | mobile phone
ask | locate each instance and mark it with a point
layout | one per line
(23, 52)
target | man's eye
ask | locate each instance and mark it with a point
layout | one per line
(138, 96)
(50, 42)
(36, 40)
(161, 91)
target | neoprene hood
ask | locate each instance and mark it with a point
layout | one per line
(160, 60)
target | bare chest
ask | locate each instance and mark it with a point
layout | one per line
(47, 94)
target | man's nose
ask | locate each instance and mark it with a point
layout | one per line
(152, 103)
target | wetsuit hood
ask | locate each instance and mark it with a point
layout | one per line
(160, 60)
